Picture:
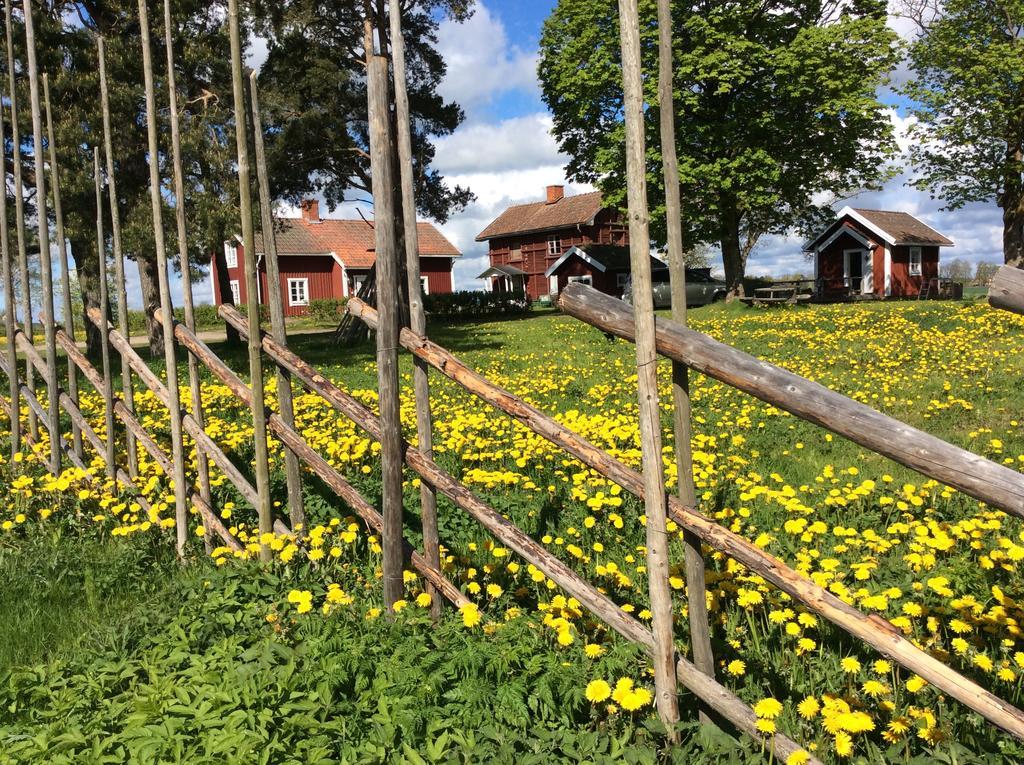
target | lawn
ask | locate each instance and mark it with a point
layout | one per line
(941, 567)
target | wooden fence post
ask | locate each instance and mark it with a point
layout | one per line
(19, 214)
(127, 386)
(293, 477)
(700, 628)
(195, 391)
(9, 322)
(417, 314)
(45, 264)
(65, 277)
(387, 333)
(647, 371)
(259, 412)
(170, 357)
(101, 255)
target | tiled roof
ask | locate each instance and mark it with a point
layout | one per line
(350, 240)
(903, 227)
(541, 216)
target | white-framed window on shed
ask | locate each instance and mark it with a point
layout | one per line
(588, 280)
(231, 255)
(915, 261)
(554, 245)
(425, 284)
(236, 293)
(298, 291)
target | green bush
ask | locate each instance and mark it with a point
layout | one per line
(471, 305)
(326, 311)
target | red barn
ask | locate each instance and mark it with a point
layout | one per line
(527, 240)
(875, 252)
(323, 258)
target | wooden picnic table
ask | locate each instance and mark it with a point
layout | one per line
(775, 294)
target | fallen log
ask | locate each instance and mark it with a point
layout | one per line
(873, 630)
(707, 689)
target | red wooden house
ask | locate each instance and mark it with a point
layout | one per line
(323, 258)
(528, 244)
(880, 253)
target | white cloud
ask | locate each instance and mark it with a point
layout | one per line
(482, 62)
(513, 143)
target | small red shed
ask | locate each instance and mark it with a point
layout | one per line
(883, 253)
(605, 267)
(322, 258)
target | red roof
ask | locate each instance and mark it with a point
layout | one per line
(543, 216)
(350, 240)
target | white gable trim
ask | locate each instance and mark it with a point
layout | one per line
(883, 235)
(582, 255)
(849, 230)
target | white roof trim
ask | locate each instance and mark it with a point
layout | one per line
(582, 255)
(883, 235)
(844, 229)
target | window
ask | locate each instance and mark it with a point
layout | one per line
(231, 255)
(357, 283)
(515, 252)
(554, 246)
(236, 294)
(425, 284)
(298, 291)
(915, 261)
(582, 280)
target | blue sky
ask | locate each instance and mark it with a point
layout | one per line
(505, 153)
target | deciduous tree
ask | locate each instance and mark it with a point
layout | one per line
(968, 89)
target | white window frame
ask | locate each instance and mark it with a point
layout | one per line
(304, 300)
(231, 255)
(425, 284)
(585, 279)
(912, 268)
(553, 285)
(236, 291)
(554, 246)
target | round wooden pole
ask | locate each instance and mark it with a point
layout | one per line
(195, 391)
(10, 327)
(101, 256)
(62, 254)
(417, 314)
(45, 265)
(387, 333)
(293, 477)
(127, 386)
(647, 370)
(170, 355)
(700, 628)
(258, 408)
(19, 213)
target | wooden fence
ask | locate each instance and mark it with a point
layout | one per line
(392, 167)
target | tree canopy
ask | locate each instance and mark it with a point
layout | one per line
(775, 103)
(968, 93)
(312, 93)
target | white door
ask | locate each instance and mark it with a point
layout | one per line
(552, 285)
(868, 278)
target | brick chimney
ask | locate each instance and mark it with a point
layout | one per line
(310, 210)
(555, 193)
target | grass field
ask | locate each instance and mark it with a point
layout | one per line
(225, 659)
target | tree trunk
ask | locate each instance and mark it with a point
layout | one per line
(87, 269)
(150, 286)
(1013, 228)
(733, 257)
(224, 288)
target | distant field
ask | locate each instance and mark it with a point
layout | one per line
(942, 568)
